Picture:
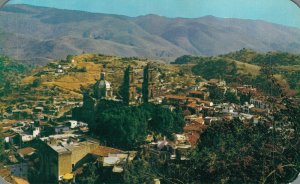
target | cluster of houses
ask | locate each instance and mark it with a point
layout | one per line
(58, 69)
(23, 141)
(200, 112)
(42, 110)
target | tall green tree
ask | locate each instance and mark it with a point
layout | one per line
(1, 145)
(145, 88)
(125, 88)
(87, 112)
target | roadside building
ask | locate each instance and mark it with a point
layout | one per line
(64, 153)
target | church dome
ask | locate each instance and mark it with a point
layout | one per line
(104, 84)
(103, 88)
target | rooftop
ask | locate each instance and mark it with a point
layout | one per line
(194, 127)
(66, 142)
(20, 180)
(26, 151)
(103, 151)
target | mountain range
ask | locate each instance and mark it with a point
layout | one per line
(38, 35)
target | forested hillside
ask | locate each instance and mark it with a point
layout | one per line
(10, 74)
(250, 67)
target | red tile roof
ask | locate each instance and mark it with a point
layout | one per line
(199, 120)
(193, 138)
(177, 97)
(103, 151)
(187, 113)
(26, 151)
(192, 105)
(196, 92)
(197, 127)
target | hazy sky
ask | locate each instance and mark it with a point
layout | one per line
(277, 11)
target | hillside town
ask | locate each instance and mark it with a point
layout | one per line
(62, 131)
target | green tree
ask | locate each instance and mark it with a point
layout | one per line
(165, 121)
(36, 83)
(85, 113)
(139, 171)
(125, 93)
(216, 94)
(1, 145)
(145, 87)
(245, 98)
(9, 109)
(214, 69)
(10, 74)
(233, 152)
(267, 82)
(69, 58)
(231, 97)
(121, 126)
(89, 175)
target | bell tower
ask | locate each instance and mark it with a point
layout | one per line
(132, 86)
(148, 83)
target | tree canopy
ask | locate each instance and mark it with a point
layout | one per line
(233, 152)
(125, 127)
(125, 88)
(215, 69)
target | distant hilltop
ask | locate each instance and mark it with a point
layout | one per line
(39, 35)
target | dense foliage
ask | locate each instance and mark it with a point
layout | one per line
(85, 113)
(285, 65)
(282, 63)
(125, 127)
(122, 127)
(125, 88)
(2, 146)
(270, 58)
(88, 176)
(187, 59)
(215, 69)
(276, 58)
(10, 74)
(233, 152)
(145, 86)
(293, 77)
(164, 121)
(139, 171)
(142, 171)
(217, 95)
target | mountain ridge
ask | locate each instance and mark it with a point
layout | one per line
(39, 34)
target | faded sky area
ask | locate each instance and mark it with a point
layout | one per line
(277, 11)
